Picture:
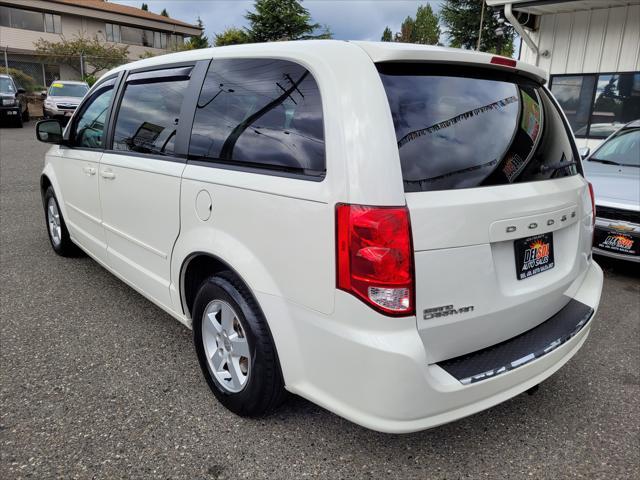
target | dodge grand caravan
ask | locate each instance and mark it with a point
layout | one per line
(399, 233)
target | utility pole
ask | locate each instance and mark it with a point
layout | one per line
(480, 30)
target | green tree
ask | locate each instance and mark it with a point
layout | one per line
(387, 35)
(199, 41)
(144, 7)
(462, 18)
(164, 12)
(22, 79)
(426, 29)
(407, 31)
(98, 55)
(275, 20)
(231, 36)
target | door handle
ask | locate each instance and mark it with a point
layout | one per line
(108, 174)
(89, 170)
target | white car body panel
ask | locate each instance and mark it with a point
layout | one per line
(77, 172)
(145, 218)
(140, 243)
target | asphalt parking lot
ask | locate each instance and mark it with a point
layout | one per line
(96, 382)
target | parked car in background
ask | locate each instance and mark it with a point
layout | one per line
(13, 102)
(614, 170)
(62, 99)
(399, 233)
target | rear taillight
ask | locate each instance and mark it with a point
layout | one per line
(593, 203)
(375, 257)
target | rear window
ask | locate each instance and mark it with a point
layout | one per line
(68, 90)
(461, 128)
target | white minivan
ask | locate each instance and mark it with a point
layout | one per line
(398, 233)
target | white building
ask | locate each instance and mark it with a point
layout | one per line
(591, 50)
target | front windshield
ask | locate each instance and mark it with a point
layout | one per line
(68, 90)
(623, 149)
(6, 85)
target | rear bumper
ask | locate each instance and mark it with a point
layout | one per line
(373, 370)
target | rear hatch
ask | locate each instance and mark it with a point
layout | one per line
(500, 215)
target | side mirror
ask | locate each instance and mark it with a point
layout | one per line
(22, 90)
(584, 152)
(43, 94)
(49, 131)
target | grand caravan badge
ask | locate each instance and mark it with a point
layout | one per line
(444, 311)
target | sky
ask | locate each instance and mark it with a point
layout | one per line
(347, 19)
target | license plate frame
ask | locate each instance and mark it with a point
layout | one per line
(533, 255)
(618, 242)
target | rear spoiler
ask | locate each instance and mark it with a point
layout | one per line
(406, 52)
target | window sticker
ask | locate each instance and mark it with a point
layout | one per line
(513, 166)
(530, 122)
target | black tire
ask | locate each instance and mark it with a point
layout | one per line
(19, 121)
(264, 390)
(65, 248)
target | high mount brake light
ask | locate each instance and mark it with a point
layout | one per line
(375, 257)
(507, 62)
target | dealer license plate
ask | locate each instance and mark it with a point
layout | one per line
(617, 242)
(534, 255)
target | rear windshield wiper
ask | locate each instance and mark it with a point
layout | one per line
(557, 166)
(606, 162)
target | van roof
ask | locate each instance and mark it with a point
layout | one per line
(377, 51)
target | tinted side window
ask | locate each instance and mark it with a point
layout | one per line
(148, 117)
(89, 128)
(260, 113)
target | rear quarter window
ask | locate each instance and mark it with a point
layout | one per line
(260, 113)
(463, 128)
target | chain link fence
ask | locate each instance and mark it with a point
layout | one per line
(35, 72)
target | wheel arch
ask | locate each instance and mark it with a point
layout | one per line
(49, 179)
(44, 184)
(197, 267)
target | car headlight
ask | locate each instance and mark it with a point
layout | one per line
(49, 103)
(8, 101)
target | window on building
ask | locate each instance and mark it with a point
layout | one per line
(5, 17)
(113, 32)
(30, 20)
(89, 128)
(617, 102)
(139, 36)
(147, 38)
(51, 73)
(27, 19)
(149, 113)
(52, 23)
(176, 40)
(159, 40)
(598, 104)
(131, 35)
(574, 94)
(260, 113)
